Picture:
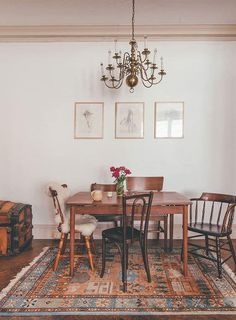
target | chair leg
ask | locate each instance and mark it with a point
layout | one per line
(165, 232)
(232, 251)
(93, 244)
(59, 252)
(158, 229)
(182, 252)
(64, 243)
(87, 243)
(124, 267)
(207, 245)
(218, 255)
(171, 232)
(145, 258)
(103, 257)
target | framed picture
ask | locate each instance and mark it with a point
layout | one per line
(169, 120)
(129, 121)
(88, 120)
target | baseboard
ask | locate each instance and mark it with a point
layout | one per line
(49, 231)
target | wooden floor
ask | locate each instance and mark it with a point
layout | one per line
(10, 266)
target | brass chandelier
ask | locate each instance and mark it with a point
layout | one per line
(132, 66)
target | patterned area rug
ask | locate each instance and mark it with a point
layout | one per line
(37, 290)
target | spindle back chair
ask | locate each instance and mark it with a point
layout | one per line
(212, 216)
(134, 206)
(152, 184)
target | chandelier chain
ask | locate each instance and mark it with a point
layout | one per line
(133, 12)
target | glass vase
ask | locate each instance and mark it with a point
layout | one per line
(120, 188)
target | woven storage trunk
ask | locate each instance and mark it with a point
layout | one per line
(15, 227)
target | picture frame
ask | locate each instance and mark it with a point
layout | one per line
(169, 120)
(88, 120)
(129, 120)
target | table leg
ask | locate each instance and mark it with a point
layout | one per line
(171, 231)
(185, 240)
(72, 239)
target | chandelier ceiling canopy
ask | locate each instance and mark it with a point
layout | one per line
(132, 66)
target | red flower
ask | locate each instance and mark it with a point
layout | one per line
(116, 173)
(119, 173)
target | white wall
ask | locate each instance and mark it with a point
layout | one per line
(39, 84)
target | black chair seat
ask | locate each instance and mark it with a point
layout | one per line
(209, 229)
(107, 217)
(116, 234)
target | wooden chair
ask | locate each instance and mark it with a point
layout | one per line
(106, 217)
(212, 216)
(84, 224)
(134, 205)
(154, 184)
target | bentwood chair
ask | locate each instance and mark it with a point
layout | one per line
(84, 224)
(212, 216)
(114, 218)
(154, 184)
(133, 206)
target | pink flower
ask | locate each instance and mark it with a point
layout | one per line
(112, 169)
(127, 171)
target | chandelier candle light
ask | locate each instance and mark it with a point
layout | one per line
(132, 66)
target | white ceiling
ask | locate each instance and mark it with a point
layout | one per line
(115, 12)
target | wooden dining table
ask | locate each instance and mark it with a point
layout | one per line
(163, 203)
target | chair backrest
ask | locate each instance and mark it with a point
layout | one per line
(213, 208)
(144, 183)
(137, 206)
(103, 187)
(59, 194)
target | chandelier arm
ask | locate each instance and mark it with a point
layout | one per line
(126, 59)
(143, 73)
(121, 76)
(117, 82)
(139, 55)
(117, 86)
(150, 81)
(146, 83)
(109, 80)
(107, 85)
(120, 84)
(158, 80)
(147, 68)
(147, 79)
(110, 73)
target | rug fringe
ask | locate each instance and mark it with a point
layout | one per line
(21, 273)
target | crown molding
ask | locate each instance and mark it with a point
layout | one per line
(108, 33)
